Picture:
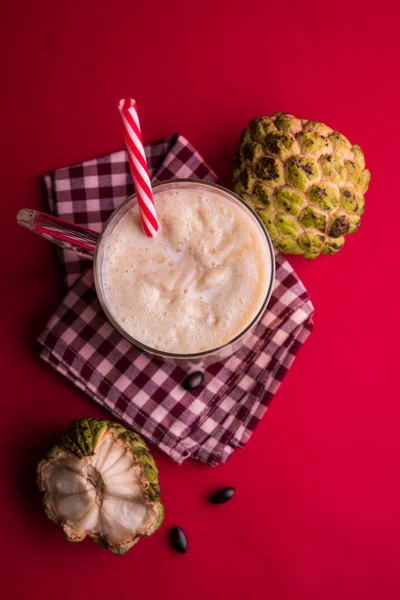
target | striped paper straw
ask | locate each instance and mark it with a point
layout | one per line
(137, 161)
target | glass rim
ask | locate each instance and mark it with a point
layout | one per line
(204, 353)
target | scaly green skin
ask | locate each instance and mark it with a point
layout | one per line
(305, 181)
(81, 440)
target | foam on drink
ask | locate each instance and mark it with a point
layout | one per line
(194, 286)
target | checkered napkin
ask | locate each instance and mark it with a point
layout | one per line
(210, 422)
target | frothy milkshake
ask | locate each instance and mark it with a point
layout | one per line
(198, 283)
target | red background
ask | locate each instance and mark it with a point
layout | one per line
(316, 513)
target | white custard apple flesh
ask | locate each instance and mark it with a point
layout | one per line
(101, 481)
(304, 180)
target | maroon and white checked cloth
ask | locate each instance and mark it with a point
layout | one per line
(146, 394)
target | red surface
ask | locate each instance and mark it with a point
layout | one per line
(316, 514)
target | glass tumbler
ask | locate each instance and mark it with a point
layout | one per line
(91, 244)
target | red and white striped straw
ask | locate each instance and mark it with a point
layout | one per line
(137, 161)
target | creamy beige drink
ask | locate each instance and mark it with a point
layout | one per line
(198, 283)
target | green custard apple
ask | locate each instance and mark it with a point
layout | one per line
(304, 180)
(101, 481)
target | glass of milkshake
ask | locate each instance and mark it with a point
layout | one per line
(194, 291)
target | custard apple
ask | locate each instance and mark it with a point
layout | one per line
(304, 180)
(101, 481)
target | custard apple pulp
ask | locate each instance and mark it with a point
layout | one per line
(101, 481)
(304, 180)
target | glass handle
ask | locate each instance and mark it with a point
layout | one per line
(63, 233)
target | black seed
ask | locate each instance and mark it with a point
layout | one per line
(178, 540)
(193, 380)
(347, 194)
(222, 495)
